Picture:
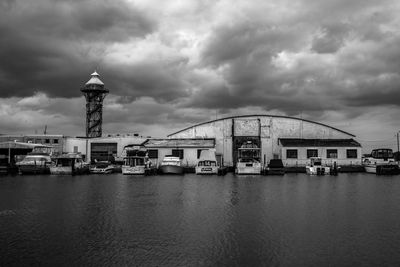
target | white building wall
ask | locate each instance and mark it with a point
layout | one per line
(84, 144)
(302, 159)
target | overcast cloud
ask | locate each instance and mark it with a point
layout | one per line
(171, 64)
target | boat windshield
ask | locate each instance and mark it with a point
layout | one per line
(134, 161)
(31, 158)
(382, 153)
(207, 163)
(64, 162)
(247, 160)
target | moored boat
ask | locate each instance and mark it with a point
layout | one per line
(35, 163)
(70, 163)
(275, 167)
(207, 163)
(381, 161)
(316, 168)
(136, 161)
(171, 165)
(248, 159)
(102, 168)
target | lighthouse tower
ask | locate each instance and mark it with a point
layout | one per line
(94, 93)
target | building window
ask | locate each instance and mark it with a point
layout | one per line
(351, 153)
(199, 152)
(153, 153)
(312, 153)
(47, 141)
(75, 149)
(291, 154)
(331, 153)
(55, 141)
(177, 153)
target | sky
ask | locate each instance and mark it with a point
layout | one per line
(172, 64)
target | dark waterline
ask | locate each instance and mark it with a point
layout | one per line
(116, 220)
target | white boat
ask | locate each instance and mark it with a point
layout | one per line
(135, 159)
(316, 168)
(171, 165)
(381, 161)
(70, 163)
(102, 168)
(248, 159)
(207, 163)
(35, 163)
(134, 165)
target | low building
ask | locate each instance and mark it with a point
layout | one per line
(54, 140)
(187, 149)
(296, 152)
(106, 148)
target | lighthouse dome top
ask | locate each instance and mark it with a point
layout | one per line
(95, 79)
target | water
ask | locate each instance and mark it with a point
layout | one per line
(116, 220)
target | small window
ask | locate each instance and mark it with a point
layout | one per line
(351, 153)
(331, 153)
(55, 141)
(312, 153)
(47, 141)
(153, 153)
(291, 154)
(75, 149)
(177, 153)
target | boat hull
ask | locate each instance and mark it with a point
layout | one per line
(248, 169)
(67, 170)
(34, 169)
(171, 169)
(382, 169)
(317, 170)
(206, 170)
(133, 170)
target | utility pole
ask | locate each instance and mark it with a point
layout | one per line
(398, 147)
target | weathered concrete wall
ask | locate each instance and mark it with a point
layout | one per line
(270, 128)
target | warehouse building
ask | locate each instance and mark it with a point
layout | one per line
(294, 140)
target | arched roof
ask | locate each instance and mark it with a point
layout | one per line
(262, 115)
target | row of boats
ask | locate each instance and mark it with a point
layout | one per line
(136, 162)
(380, 161)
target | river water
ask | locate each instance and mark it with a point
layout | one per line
(116, 220)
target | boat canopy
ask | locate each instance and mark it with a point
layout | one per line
(208, 154)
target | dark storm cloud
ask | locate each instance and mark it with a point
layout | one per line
(176, 62)
(48, 45)
(331, 39)
(152, 79)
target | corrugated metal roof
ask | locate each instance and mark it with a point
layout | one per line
(12, 144)
(261, 115)
(298, 142)
(181, 143)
